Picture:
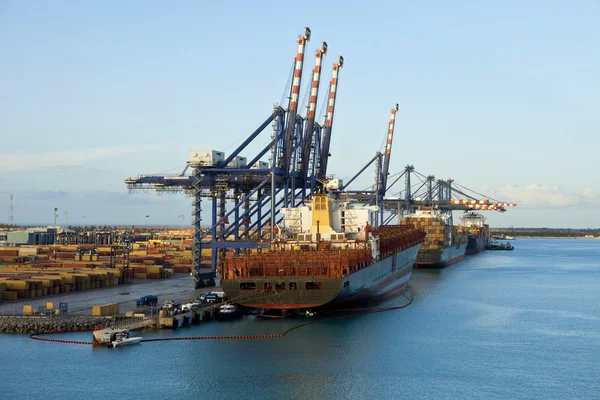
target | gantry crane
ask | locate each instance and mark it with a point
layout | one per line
(326, 137)
(244, 196)
(378, 192)
(450, 196)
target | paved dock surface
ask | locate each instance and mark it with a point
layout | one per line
(178, 288)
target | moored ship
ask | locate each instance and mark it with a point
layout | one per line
(324, 253)
(478, 232)
(444, 245)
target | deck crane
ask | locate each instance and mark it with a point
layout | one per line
(309, 125)
(326, 136)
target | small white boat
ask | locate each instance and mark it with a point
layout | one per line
(228, 311)
(123, 339)
(306, 313)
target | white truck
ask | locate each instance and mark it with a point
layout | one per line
(168, 305)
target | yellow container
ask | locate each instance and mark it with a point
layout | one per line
(46, 283)
(105, 310)
(27, 310)
(56, 279)
(139, 275)
(9, 295)
(68, 278)
(49, 305)
(155, 269)
(17, 285)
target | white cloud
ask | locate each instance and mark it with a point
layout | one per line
(23, 161)
(543, 196)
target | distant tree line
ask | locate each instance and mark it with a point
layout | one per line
(545, 232)
(91, 228)
(8, 226)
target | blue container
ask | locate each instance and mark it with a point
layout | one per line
(63, 307)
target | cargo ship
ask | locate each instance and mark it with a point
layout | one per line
(324, 253)
(478, 232)
(445, 243)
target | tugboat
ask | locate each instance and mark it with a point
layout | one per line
(229, 311)
(123, 339)
(500, 246)
(118, 338)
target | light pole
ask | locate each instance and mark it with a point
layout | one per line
(83, 230)
(147, 217)
(55, 229)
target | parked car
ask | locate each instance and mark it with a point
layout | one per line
(168, 305)
(201, 298)
(196, 303)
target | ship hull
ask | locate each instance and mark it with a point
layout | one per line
(476, 244)
(384, 278)
(440, 257)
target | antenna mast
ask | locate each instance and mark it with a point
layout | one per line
(11, 212)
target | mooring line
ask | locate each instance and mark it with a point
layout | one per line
(361, 311)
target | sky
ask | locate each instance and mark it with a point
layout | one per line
(502, 97)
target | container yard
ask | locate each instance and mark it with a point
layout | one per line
(31, 272)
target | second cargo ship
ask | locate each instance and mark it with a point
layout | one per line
(445, 243)
(325, 252)
(478, 232)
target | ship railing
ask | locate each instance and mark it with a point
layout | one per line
(321, 263)
(327, 264)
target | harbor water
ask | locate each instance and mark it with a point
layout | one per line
(501, 324)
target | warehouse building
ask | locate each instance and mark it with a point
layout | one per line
(33, 236)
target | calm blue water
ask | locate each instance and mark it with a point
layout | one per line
(523, 324)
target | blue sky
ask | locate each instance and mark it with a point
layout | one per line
(502, 97)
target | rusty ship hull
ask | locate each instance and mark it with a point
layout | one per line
(440, 257)
(476, 244)
(294, 290)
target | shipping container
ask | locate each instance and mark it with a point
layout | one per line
(9, 295)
